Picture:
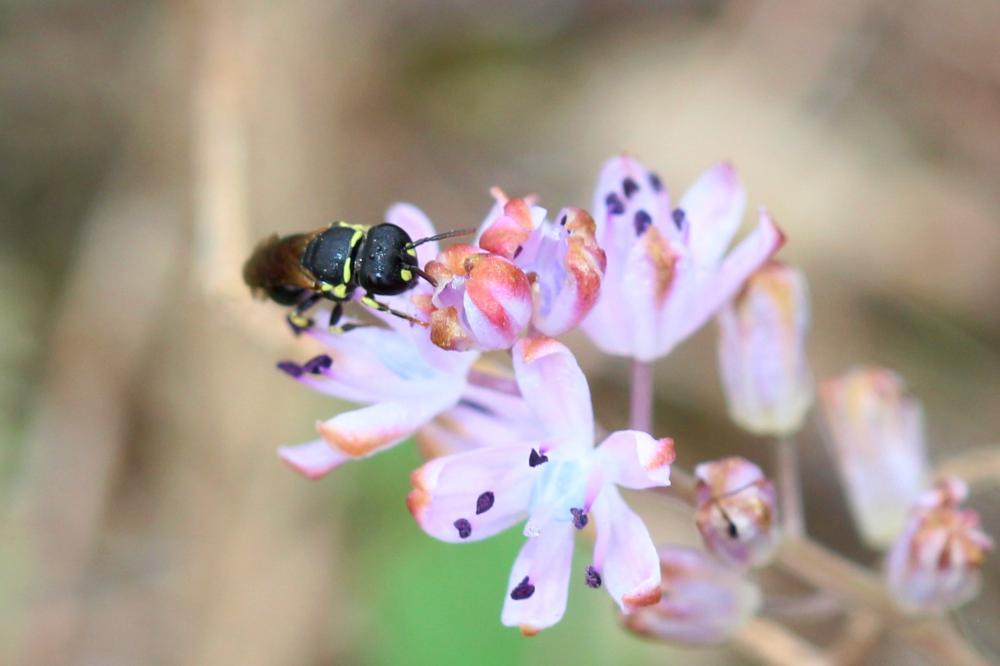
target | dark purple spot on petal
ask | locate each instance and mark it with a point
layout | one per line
(485, 502)
(593, 578)
(642, 221)
(655, 182)
(733, 532)
(292, 369)
(464, 528)
(518, 251)
(522, 590)
(679, 218)
(630, 187)
(562, 221)
(615, 204)
(580, 519)
(536, 458)
(317, 364)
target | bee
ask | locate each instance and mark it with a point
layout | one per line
(332, 263)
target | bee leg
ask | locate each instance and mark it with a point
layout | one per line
(382, 307)
(335, 315)
(297, 318)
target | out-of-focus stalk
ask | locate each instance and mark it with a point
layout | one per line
(641, 406)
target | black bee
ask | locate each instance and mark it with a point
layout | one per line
(332, 263)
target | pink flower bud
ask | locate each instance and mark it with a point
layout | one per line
(736, 511)
(934, 564)
(762, 355)
(703, 602)
(483, 301)
(876, 435)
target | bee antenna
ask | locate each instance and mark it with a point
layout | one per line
(425, 275)
(447, 234)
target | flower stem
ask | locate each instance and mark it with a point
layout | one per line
(641, 408)
(789, 487)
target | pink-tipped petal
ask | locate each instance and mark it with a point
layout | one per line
(362, 432)
(497, 304)
(554, 386)
(313, 459)
(751, 253)
(636, 460)
(652, 287)
(714, 206)
(507, 234)
(624, 554)
(415, 223)
(569, 265)
(539, 581)
(473, 495)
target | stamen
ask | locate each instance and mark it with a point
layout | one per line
(679, 217)
(642, 221)
(522, 590)
(485, 502)
(593, 578)
(536, 458)
(615, 204)
(292, 369)
(317, 364)
(464, 528)
(518, 251)
(630, 187)
(655, 182)
(580, 518)
(562, 221)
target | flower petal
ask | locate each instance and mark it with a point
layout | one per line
(497, 303)
(554, 386)
(751, 253)
(624, 554)
(636, 460)
(312, 459)
(714, 206)
(362, 432)
(472, 495)
(507, 234)
(654, 289)
(539, 581)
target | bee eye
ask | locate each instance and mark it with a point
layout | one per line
(285, 295)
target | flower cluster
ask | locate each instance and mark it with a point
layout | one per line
(507, 446)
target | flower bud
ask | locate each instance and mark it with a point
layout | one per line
(483, 301)
(736, 511)
(703, 602)
(934, 564)
(876, 435)
(762, 355)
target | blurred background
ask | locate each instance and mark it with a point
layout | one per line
(145, 145)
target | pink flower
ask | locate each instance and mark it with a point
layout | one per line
(562, 259)
(557, 482)
(529, 272)
(405, 380)
(482, 302)
(762, 354)
(736, 511)
(703, 602)
(667, 270)
(876, 436)
(934, 564)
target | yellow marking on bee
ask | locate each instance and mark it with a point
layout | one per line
(325, 287)
(372, 303)
(347, 272)
(357, 227)
(406, 274)
(300, 320)
(340, 291)
(412, 251)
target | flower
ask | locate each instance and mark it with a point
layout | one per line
(563, 260)
(666, 274)
(934, 564)
(405, 379)
(703, 602)
(558, 483)
(762, 355)
(876, 435)
(527, 270)
(736, 509)
(483, 300)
